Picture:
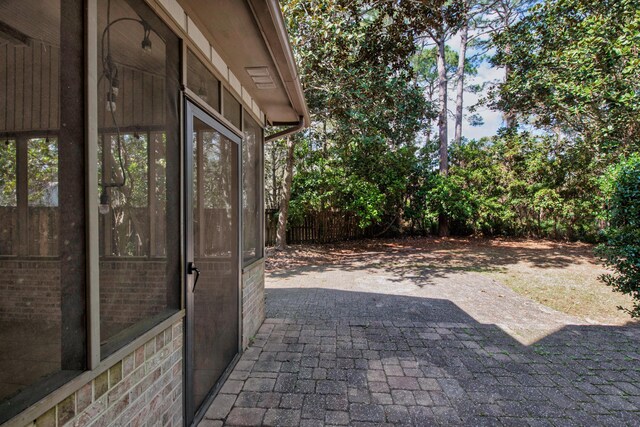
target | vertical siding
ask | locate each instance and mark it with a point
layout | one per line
(29, 78)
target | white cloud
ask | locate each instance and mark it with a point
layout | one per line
(492, 119)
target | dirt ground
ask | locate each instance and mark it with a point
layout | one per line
(562, 276)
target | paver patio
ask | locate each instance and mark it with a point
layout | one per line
(349, 344)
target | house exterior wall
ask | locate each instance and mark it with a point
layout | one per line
(184, 24)
(144, 388)
(252, 300)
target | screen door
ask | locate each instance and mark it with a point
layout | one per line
(212, 255)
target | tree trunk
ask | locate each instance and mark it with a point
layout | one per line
(464, 32)
(442, 104)
(443, 221)
(281, 235)
(429, 91)
(509, 117)
(274, 180)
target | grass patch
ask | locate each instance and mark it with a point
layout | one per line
(574, 290)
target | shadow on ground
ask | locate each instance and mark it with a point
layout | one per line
(334, 357)
(423, 259)
(336, 305)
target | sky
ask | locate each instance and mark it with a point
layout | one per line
(492, 119)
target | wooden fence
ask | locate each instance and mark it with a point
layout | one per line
(40, 231)
(322, 227)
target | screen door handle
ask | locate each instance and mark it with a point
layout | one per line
(191, 268)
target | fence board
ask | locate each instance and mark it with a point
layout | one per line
(320, 227)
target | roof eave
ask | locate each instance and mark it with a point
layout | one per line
(270, 20)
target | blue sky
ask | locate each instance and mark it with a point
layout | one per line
(492, 119)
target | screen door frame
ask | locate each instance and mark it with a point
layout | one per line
(192, 111)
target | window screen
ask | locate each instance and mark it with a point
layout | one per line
(42, 258)
(8, 196)
(202, 82)
(232, 109)
(42, 185)
(252, 191)
(138, 171)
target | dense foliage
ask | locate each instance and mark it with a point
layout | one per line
(366, 109)
(513, 184)
(371, 151)
(576, 68)
(571, 106)
(621, 249)
(576, 72)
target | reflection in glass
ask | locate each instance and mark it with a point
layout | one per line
(202, 82)
(38, 317)
(135, 115)
(8, 198)
(252, 186)
(158, 203)
(127, 221)
(232, 109)
(42, 178)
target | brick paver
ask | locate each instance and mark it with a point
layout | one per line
(328, 356)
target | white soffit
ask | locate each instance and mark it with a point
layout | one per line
(235, 83)
(234, 29)
(190, 28)
(199, 39)
(175, 10)
(256, 110)
(218, 62)
(246, 97)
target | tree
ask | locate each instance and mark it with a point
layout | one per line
(281, 236)
(8, 173)
(502, 15)
(274, 162)
(439, 20)
(462, 58)
(574, 69)
(474, 23)
(621, 249)
(365, 106)
(425, 66)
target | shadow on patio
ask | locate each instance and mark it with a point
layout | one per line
(337, 357)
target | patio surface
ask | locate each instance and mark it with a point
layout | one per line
(351, 344)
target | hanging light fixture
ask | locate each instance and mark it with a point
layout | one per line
(146, 41)
(202, 93)
(110, 72)
(103, 207)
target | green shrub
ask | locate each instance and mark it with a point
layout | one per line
(621, 248)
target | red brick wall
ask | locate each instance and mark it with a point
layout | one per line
(252, 300)
(132, 290)
(30, 290)
(144, 388)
